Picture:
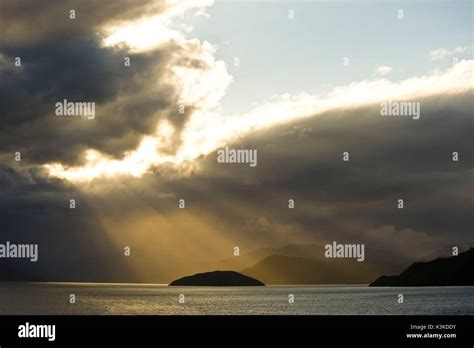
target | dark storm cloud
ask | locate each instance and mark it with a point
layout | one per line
(65, 59)
(390, 158)
(25, 22)
(71, 243)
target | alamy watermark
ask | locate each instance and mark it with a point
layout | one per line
(336, 250)
(400, 108)
(28, 330)
(20, 251)
(66, 108)
(227, 155)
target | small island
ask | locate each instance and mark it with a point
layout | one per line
(217, 278)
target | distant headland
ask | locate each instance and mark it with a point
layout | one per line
(451, 271)
(217, 278)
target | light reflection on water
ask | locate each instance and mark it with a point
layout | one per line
(53, 298)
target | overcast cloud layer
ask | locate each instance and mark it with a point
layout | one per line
(300, 140)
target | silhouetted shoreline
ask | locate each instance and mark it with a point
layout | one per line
(451, 271)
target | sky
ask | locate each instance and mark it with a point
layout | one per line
(279, 55)
(159, 122)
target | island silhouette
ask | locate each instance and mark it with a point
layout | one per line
(217, 278)
(450, 271)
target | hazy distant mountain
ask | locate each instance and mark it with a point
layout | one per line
(246, 260)
(167, 267)
(279, 269)
(303, 265)
(217, 278)
(171, 266)
(454, 270)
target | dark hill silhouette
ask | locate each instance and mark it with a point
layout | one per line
(217, 278)
(250, 258)
(451, 271)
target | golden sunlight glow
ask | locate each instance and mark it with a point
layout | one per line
(135, 163)
(137, 34)
(152, 31)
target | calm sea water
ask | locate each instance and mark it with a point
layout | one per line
(53, 298)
